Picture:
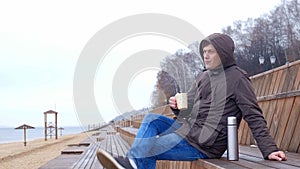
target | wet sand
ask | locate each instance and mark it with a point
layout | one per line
(37, 152)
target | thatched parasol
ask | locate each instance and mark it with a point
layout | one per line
(24, 126)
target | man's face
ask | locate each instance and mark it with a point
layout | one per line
(211, 57)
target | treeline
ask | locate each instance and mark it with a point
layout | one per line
(276, 34)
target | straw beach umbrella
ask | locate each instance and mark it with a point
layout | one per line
(24, 127)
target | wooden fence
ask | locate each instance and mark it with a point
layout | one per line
(278, 94)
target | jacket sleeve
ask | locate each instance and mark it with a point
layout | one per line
(247, 103)
(190, 100)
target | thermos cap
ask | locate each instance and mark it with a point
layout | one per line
(231, 120)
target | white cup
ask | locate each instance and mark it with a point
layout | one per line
(181, 99)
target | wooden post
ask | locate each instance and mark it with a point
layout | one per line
(56, 134)
(50, 127)
(45, 120)
(24, 136)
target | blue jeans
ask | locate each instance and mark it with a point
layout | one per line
(156, 140)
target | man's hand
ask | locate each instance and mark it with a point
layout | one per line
(277, 155)
(173, 103)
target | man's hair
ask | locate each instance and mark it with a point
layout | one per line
(204, 43)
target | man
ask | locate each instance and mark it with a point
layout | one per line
(221, 91)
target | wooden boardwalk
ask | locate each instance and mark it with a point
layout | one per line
(278, 94)
(112, 140)
(81, 155)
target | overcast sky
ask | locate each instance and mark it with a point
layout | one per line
(40, 42)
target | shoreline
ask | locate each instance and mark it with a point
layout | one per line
(10, 135)
(37, 152)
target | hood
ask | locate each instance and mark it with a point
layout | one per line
(224, 46)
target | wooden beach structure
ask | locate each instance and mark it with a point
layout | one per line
(278, 94)
(49, 127)
(24, 127)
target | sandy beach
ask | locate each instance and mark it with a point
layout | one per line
(37, 152)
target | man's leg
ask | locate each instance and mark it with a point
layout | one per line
(152, 127)
(169, 147)
(155, 124)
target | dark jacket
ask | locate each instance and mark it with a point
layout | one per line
(217, 94)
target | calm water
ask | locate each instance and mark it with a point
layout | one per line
(11, 135)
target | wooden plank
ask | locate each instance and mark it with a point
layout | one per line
(282, 81)
(279, 96)
(162, 164)
(264, 107)
(276, 117)
(123, 146)
(92, 159)
(116, 147)
(287, 78)
(260, 85)
(240, 131)
(278, 79)
(222, 162)
(272, 83)
(269, 163)
(255, 84)
(298, 149)
(291, 127)
(62, 161)
(268, 84)
(297, 81)
(270, 115)
(265, 84)
(88, 158)
(293, 158)
(284, 117)
(268, 112)
(249, 135)
(245, 134)
(293, 72)
(295, 142)
(244, 161)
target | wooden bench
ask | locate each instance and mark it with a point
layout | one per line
(249, 157)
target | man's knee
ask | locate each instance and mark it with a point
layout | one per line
(151, 117)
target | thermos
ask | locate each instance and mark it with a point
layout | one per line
(232, 139)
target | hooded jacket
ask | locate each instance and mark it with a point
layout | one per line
(217, 94)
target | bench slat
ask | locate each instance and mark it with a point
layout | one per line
(88, 157)
(293, 158)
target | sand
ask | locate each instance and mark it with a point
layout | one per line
(36, 153)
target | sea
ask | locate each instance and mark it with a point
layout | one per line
(8, 135)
